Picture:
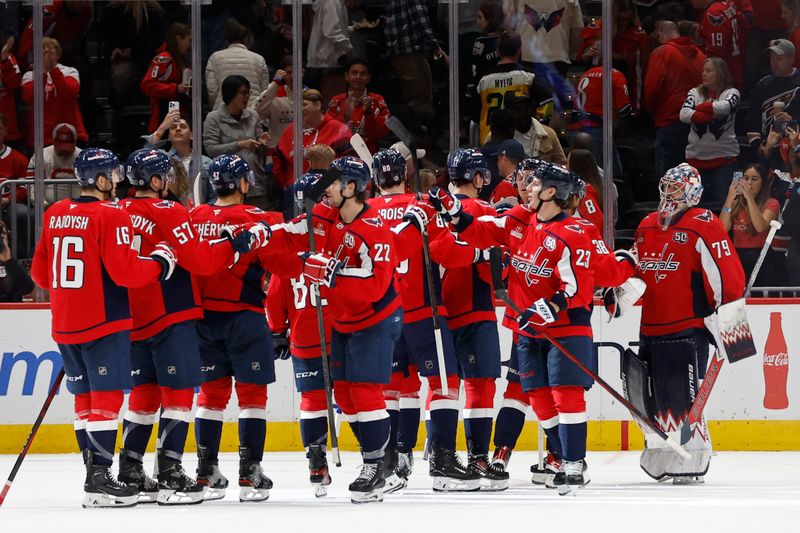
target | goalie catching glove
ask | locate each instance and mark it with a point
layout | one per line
(321, 269)
(165, 255)
(618, 300)
(246, 238)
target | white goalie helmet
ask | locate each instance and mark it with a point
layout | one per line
(679, 188)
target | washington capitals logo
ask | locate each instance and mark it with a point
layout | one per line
(705, 216)
(649, 262)
(716, 20)
(532, 269)
(548, 21)
(377, 222)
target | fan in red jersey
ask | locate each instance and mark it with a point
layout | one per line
(235, 340)
(722, 34)
(84, 258)
(682, 249)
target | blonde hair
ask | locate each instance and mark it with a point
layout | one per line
(724, 76)
(320, 156)
(180, 187)
(49, 41)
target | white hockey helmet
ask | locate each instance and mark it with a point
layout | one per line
(679, 188)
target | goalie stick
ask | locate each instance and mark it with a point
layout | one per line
(495, 261)
(21, 457)
(314, 194)
(394, 124)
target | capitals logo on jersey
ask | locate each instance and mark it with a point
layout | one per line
(532, 269)
(658, 264)
(548, 21)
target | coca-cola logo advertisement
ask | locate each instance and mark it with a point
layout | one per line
(776, 365)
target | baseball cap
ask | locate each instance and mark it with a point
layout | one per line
(512, 149)
(64, 136)
(405, 152)
(782, 47)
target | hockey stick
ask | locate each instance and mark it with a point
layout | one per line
(695, 414)
(21, 457)
(309, 201)
(495, 260)
(358, 144)
(394, 124)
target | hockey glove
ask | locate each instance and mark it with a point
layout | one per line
(618, 300)
(610, 303)
(541, 313)
(631, 256)
(246, 238)
(280, 346)
(321, 269)
(447, 205)
(419, 213)
(165, 255)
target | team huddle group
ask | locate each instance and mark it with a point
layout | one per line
(149, 296)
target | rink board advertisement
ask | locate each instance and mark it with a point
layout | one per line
(755, 403)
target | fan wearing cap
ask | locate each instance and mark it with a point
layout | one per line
(165, 354)
(774, 100)
(318, 128)
(59, 159)
(509, 155)
(538, 140)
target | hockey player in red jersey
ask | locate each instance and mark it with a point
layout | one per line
(84, 258)
(722, 35)
(291, 312)
(357, 270)
(681, 249)
(165, 355)
(551, 278)
(235, 340)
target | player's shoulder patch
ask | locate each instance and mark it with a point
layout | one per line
(574, 228)
(164, 204)
(162, 59)
(254, 211)
(704, 216)
(375, 222)
(112, 205)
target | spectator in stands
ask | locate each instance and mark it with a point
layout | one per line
(506, 77)
(14, 281)
(235, 129)
(275, 104)
(583, 163)
(790, 13)
(174, 135)
(483, 53)
(12, 167)
(363, 112)
(409, 44)
(746, 213)
(710, 110)
(319, 156)
(132, 30)
(65, 22)
(501, 128)
(675, 67)
(630, 46)
(773, 101)
(538, 140)
(318, 128)
(164, 80)
(504, 193)
(550, 29)
(59, 161)
(61, 87)
(764, 25)
(721, 35)
(402, 149)
(10, 80)
(329, 46)
(236, 59)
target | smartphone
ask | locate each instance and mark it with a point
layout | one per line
(789, 125)
(737, 176)
(174, 106)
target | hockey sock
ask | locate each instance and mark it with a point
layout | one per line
(443, 413)
(252, 418)
(173, 425)
(572, 421)
(511, 418)
(408, 424)
(391, 396)
(83, 404)
(544, 406)
(313, 418)
(137, 423)
(101, 428)
(478, 413)
(211, 402)
(373, 420)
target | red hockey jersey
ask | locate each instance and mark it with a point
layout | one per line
(365, 291)
(290, 305)
(158, 305)
(608, 269)
(84, 258)
(546, 257)
(160, 84)
(722, 37)
(370, 124)
(10, 81)
(590, 96)
(241, 287)
(503, 192)
(691, 268)
(331, 132)
(590, 208)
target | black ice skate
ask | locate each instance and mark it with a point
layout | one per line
(102, 490)
(318, 470)
(574, 477)
(255, 485)
(174, 486)
(393, 481)
(405, 465)
(131, 472)
(449, 475)
(491, 478)
(545, 475)
(501, 457)
(209, 476)
(368, 486)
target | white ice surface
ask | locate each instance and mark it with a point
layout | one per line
(752, 492)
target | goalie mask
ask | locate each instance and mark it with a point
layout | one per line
(679, 189)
